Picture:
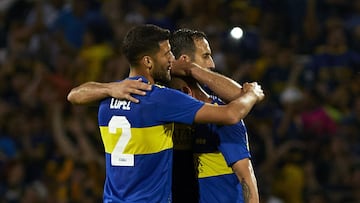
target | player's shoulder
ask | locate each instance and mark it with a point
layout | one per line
(159, 86)
(166, 94)
(160, 89)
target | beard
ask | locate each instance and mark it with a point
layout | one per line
(162, 77)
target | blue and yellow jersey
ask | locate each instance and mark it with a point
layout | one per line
(138, 143)
(216, 149)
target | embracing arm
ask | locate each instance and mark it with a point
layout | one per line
(245, 173)
(234, 111)
(94, 91)
(224, 87)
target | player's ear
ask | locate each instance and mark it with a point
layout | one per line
(187, 90)
(185, 58)
(147, 61)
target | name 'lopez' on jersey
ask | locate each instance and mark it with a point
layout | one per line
(119, 104)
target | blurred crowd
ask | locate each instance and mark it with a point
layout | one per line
(304, 138)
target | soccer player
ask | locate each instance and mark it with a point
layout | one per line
(225, 172)
(222, 158)
(138, 136)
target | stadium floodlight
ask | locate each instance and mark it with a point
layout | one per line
(236, 33)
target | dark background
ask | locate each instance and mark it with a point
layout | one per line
(304, 138)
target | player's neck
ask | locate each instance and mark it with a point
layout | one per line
(139, 72)
(201, 95)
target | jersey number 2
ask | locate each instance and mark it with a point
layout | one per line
(118, 158)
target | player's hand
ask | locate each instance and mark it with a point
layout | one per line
(254, 88)
(182, 67)
(126, 88)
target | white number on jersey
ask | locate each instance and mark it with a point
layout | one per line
(117, 156)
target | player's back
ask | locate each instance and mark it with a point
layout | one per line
(138, 144)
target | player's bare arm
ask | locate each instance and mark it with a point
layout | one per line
(234, 111)
(94, 91)
(245, 174)
(224, 87)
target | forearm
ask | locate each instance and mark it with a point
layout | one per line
(223, 87)
(228, 114)
(241, 106)
(245, 174)
(88, 92)
(234, 111)
(249, 188)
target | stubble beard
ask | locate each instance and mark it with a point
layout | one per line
(162, 78)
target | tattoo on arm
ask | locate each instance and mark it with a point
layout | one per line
(246, 190)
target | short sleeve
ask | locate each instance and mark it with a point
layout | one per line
(175, 106)
(233, 142)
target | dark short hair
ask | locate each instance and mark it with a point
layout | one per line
(143, 40)
(182, 41)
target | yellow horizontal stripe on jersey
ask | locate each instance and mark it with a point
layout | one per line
(212, 164)
(146, 140)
